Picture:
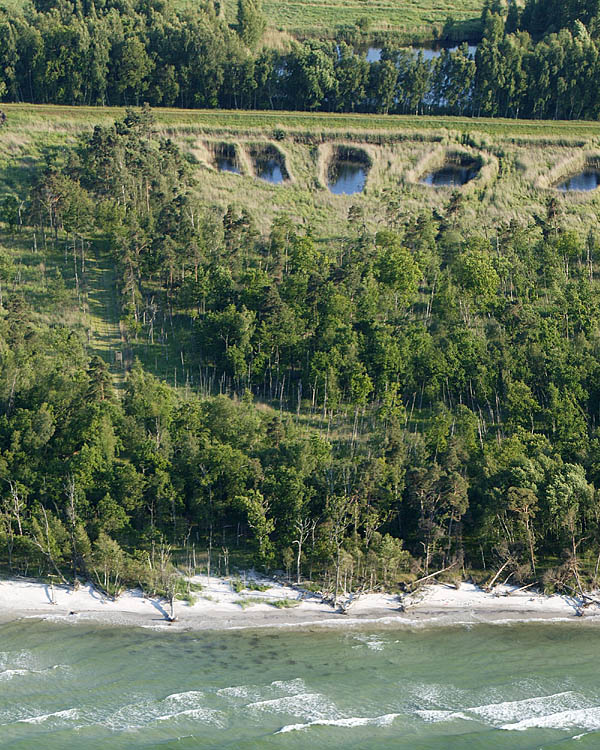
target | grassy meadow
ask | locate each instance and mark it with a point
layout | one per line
(521, 161)
(412, 19)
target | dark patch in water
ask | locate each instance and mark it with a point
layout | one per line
(269, 170)
(451, 176)
(585, 181)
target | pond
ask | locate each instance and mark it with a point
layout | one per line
(587, 180)
(450, 176)
(346, 177)
(227, 164)
(269, 169)
(373, 54)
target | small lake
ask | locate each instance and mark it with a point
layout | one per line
(450, 176)
(225, 164)
(373, 54)
(346, 177)
(269, 170)
(585, 181)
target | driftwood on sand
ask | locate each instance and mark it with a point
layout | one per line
(489, 586)
(523, 588)
(432, 575)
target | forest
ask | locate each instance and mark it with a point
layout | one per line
(540, 61)
(358, 410)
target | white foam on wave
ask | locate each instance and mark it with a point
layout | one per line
(204, 715)
(435, 716)
(582, 718)
(8, 674)
(16, 660)
(435, 695)
(342, 621)
(370, 641)
(240, 691)
(70, 713)
(188, 695)
(529, 708)
(351, 722)
(176, 706)
(22, 663)
(294, 687)
(562, 710)
(308, 706)
(257, 692)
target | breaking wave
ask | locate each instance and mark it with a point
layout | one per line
(353, 721)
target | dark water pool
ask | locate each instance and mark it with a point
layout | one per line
(373, 54)
(226, 164)
(450, 176)
(588, 180)
(269, 170)
(347, 177)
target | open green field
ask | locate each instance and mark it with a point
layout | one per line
(413, 19)
(36, 118)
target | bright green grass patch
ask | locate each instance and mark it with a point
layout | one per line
(54, 123)
(413, 19)
(284, 603)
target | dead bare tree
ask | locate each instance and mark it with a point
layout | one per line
(41, 538)
(303, 528)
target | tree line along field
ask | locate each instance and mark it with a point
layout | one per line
(412, 19)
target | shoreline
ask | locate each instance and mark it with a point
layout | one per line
(218, 607)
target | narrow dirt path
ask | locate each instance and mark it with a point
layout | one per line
(103, 313)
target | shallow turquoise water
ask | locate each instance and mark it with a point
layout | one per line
(514, 687)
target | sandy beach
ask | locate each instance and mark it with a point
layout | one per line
(219, 607)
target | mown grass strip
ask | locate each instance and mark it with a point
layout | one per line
(48, 118)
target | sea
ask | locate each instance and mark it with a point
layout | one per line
(481, 687)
